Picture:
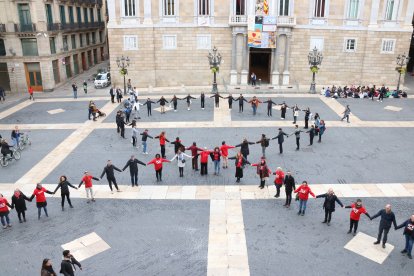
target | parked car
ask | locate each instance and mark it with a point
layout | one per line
(102, 80)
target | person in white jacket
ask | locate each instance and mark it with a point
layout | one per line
(180, 156)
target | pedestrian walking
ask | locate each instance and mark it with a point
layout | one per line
(263, 171)
(303, 192)
(387, 218)
(289, 188)
(202, 100)
(4, 212)
(109, 170)
(408, 234)
(204, 154)
(162, 139)
(297, 132)
(264, 143)
(85, 87)
(230, 100)
(74, 90)
(41, 202)
(270, 104)
(15, 137)
(135, 137)
(67, 267)
(119, 95)
(312, 133)
(283, 108)
(244, 147)
(30, 91)
(148, 103)
(19, 203)
(47, 269)
(121, 124)
(241, 101)
(194, 154)
(132, 163)
(329, 204)
(356, 210)
(162, 102)
(188, 99)
(346, 113)
(144, 139)
(382, 92)
(280, 139)
(112, 94)
(87, 179)
(129, 87)
(64, 191)
(2, 94)
(295, 110)
(216, 97)
(239, 161)
(253, 78)
(157, 161)
(180, 156)
(255, 104)
(216, 156)
(279, 179)
(321, 131)
(225, 153)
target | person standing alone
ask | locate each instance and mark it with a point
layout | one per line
(75, 91)
(30, 90)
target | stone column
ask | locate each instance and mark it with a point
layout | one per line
(147, 12)
(275, 60)
(287, 59)
(409, 13)
(233, 70)
(245, 62)
(374, 13)
(111, 11)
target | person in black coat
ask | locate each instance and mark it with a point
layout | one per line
(307, 117)
(111, 92)
(19, 203)
(289, 188)
(148, 104)
(312, 133)
(241, 101)
(387, 218)
(64, 191)
(230, 100)
(239, 162)
(174, 101)
(110, 175)
(202, 100)
(133, 169)
(270, 104)
(188, 99)
(329, 205)
(216, 97)
(280, 139)
(178, 145)
(244, 147)
(162, 102)
(68, 263)
(409, 235)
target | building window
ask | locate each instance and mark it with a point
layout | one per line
(204, 42)
(93, 38)
(169, 42)
(98, 11)
(71, 17)
(388, 46)
(49, 15)
(85, 15)
(316, 42)
(81, 40)
(203, 7)
(92, 15)
(130, 7)
(284, 7)
(239, 7)
(130, 42)
(73, 40)
(78, 14)
(353, 9)
(101, 36)
(62, 14)
(350, 45)
(65, 43)
(52, 43)
(87, 39)
(319, 10)
(391, 10)
(29, 47)
(25, 18)
(168, 7)
(55, 66)
(2, 48)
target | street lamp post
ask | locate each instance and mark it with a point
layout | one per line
(123, 63)
(315, 59)
(402, 60)
(214, 58)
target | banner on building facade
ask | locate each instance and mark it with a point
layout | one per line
(261, 27)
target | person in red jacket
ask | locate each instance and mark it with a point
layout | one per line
(356, 210)
(41, 202)
(4, 212)
(204, 161)
(239, 162)
(303, 193)
(262, 171)
(194, 153)
(30, 91)
(162, 139)
(225, 153)
(157, 161)
(280, 176)
(87, 179)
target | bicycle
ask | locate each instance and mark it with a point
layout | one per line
(5, 160)
(24, 141)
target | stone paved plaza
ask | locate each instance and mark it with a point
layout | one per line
(210, 225)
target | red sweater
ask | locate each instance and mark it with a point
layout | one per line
(204, 156)
(260, 170)
(356, 212)
(225, 150)
(158, 163)
(304, 192)
(40, 194)
(280, 176)
(3, 205)
(87, 179)
(194, 150)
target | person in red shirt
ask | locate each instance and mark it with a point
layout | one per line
(356, 210)
(225, 153)
(194, 153)
(41, 202)
(262, 171)
(240, 161)
(87, 179)
(303, 194)
(280, 176)
(4, 212)
(30, 90)
(157, 161)
(162, 139)
(204, 161)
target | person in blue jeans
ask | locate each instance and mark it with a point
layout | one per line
(216, 155)
(303, 195)
(15, 136)
(75, 91)
(409, 235)
(144, 139)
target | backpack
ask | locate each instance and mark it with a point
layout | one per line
(266, 142)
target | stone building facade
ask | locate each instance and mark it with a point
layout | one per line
(168, 41)
(45, 43)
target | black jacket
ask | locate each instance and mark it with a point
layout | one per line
(162, 101)
(244, 147)
(279, 137)
(67, 267)
(329, 203)
(289, 183)
(145, 136)
(188, 98)
(311, 132)
(241, 99)
(109, 171)
(235, 160)
(216, 97)
(386, 219)
(269, 104)
(133, 165)
(230, 99)
(177, 145)
(64, 187)
(20, 203)
(148, 103)
(408, 228)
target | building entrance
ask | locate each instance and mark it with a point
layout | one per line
(260, 60)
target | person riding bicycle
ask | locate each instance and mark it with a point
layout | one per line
(5, 149)
(15, 136)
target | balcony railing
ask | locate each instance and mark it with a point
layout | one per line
(2, 28)
(25, 28)
(286, 21)
(238, 20)
(53, 27)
